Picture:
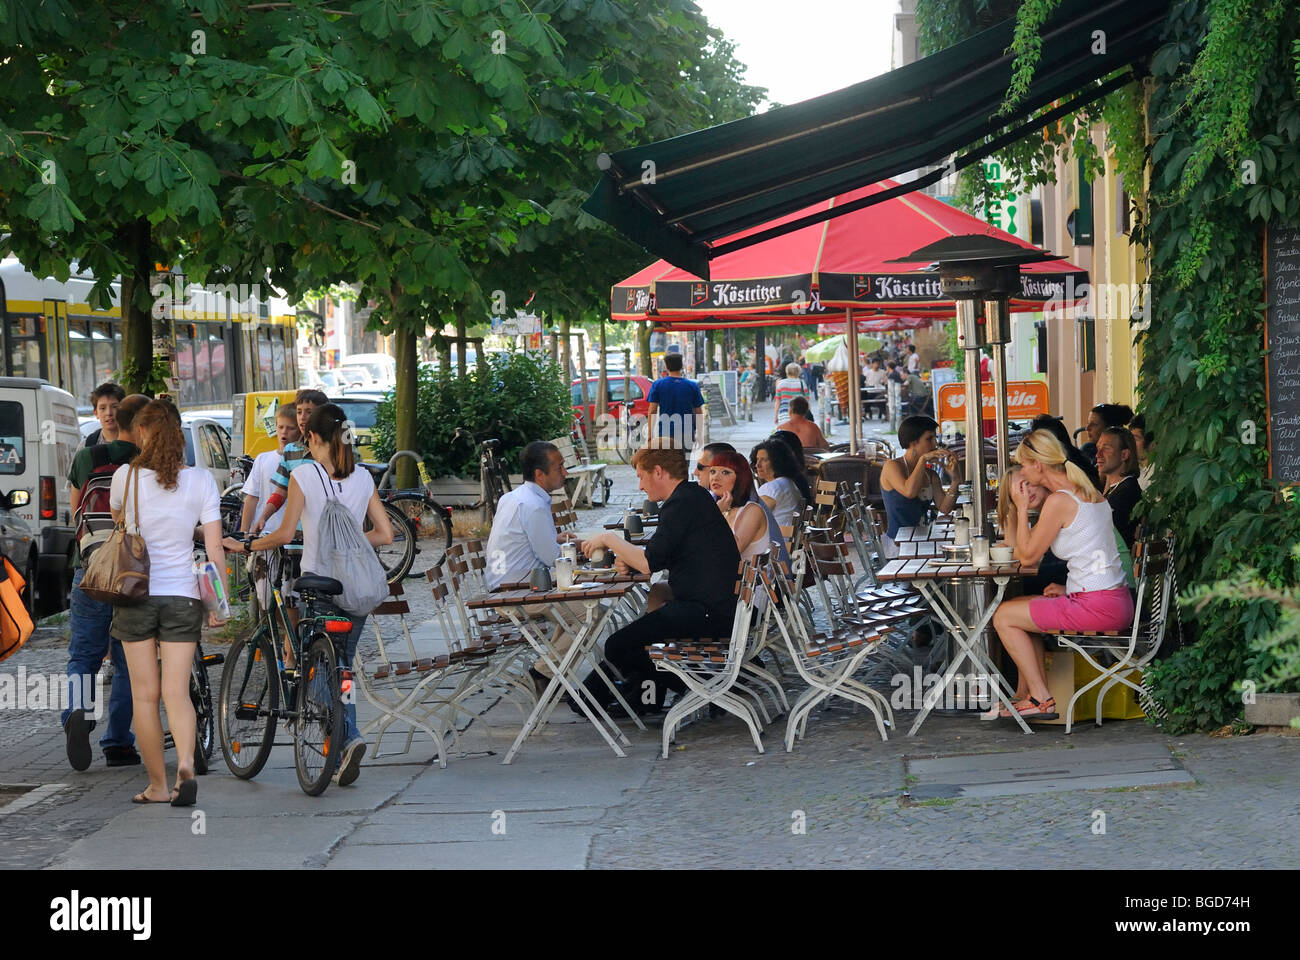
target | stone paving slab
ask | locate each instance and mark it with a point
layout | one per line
(1009, 774)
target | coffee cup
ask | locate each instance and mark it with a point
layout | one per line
(651, 508)
(632, 524)
(1001, 553)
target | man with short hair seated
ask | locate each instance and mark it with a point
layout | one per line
(809, 434)
(523, 534)
(694, 543)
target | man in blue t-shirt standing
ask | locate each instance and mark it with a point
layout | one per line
(675, 405)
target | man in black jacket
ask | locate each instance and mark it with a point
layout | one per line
(696, 546)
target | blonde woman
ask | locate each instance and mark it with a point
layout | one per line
(166, 500)
(1075, 522)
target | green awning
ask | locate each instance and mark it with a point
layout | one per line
(679, 197)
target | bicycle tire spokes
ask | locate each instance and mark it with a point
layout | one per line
(318, 733)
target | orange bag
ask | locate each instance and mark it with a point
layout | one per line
(15, 622)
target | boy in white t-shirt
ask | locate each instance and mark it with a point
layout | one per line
(257, 484)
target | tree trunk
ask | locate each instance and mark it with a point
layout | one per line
(405, 414)
(460, 337)
(137, 303)
(643, 347)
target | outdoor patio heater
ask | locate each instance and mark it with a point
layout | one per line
(980, 273)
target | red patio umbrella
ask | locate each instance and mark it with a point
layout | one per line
(820, 272)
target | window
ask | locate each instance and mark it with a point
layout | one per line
(265, 360)
(11, 438)
(214, 448)
(219, 381)
(106, 343)
(24, 346)
(82, 351)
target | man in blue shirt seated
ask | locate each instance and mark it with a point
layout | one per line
(675, 405)
(523, 534)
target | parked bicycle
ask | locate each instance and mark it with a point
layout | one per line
(428, 520)
(257, 691)
(494, 478)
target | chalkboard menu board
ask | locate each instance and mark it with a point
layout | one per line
(1282, 249)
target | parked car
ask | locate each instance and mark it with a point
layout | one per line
(361, 410)
(207, 443)
(38, 436)
(617, 389)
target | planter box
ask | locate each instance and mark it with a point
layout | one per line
(1274, 710)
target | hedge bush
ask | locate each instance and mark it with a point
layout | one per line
(523, 391)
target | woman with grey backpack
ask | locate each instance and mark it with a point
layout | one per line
(329, 545)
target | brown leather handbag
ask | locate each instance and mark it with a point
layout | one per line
(118, 572)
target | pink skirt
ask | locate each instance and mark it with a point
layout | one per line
(1089, 610)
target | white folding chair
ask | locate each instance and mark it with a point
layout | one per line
(710, 668)
(1125, 653)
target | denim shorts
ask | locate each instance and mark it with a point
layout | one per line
(170, 619)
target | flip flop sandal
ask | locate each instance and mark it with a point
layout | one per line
(141, 798)
(1039, 711)
(187, 791)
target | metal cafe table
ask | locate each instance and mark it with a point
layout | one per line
(520, 605)
(920, 563)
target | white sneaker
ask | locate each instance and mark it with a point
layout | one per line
(350, 767)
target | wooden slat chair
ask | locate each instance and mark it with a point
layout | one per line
(400, 688)
(562, 512)
(1125, 652)
(711, 667)
(583, 480)
(828, 662)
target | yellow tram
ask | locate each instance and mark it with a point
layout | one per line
(226, 340)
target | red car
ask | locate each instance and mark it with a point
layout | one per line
(617, 387)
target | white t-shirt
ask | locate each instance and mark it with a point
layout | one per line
(258, 484)
(167, 521)
(913, 363)
(355, 492)
(786, 495)
(873, 377)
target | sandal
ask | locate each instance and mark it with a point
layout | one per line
(1031, 708)
(186, 792)
(141, 798)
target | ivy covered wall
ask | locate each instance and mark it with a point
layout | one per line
(1225, 162)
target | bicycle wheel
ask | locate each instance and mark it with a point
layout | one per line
(431, 523)
(247, 705)
(396, 557)
(205, 734)
(318, 737)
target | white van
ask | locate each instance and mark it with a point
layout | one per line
(39, 433)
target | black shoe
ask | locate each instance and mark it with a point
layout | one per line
(77, 732)
(540, 681)
(121, 756)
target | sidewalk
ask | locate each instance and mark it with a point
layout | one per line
(841, 798)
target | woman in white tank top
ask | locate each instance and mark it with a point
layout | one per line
(333, 476)
(1075, 522)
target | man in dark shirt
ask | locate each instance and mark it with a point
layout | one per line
(696, 546)
(675, 404)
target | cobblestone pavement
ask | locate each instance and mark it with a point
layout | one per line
(568, 801)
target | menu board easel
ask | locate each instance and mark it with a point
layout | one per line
(1282, 334)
